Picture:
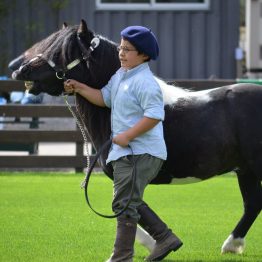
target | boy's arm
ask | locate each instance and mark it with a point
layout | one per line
(91, 94)
(142, 126)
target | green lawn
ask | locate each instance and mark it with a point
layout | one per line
(44, 217)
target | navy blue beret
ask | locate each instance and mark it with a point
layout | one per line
(143, 39)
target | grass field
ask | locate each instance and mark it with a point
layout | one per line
(44, 217)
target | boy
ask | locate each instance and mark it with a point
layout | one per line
(137, 112)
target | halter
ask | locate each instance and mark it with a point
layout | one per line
(60, 73)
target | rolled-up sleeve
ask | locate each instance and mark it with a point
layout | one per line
(106, 93)
(151, 99)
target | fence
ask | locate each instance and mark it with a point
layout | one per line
(28, 138)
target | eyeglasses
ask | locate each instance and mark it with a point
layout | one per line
(124, 49)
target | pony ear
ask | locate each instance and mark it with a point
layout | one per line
(82, 29)
(65, 25)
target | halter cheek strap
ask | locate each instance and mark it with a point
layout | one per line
(93, 45)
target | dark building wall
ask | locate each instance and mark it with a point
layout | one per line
(193, 44)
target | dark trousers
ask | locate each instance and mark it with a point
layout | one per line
(147, 167)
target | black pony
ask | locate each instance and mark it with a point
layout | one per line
(207, 133)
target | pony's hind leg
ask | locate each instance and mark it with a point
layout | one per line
(145, 239)
(251, 191)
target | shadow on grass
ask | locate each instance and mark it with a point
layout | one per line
(254, 259)
(47, 174)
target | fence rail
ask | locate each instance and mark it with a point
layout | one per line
(36, 161)
(34, 110)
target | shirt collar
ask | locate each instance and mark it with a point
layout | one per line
(133, 71)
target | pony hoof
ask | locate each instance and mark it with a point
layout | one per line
(233, 245)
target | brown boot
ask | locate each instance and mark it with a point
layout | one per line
(166, 241)
(125, 238)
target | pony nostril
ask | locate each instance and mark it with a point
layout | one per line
(14, 75)
(24, 71)
(23, 68)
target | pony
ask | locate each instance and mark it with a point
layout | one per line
(207, 133)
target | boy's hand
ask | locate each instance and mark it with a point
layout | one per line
(70, 86)
(138, 129)
(121, 140)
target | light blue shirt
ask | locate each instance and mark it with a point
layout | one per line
(131, 95)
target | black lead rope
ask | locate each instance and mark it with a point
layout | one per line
(132, 180)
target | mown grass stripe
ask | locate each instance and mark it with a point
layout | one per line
(44, 217)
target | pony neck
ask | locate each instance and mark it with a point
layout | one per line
(97, 121)
(102, 66)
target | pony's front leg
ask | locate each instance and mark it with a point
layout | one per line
(145, 239)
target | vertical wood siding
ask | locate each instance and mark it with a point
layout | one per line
(193, 44)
